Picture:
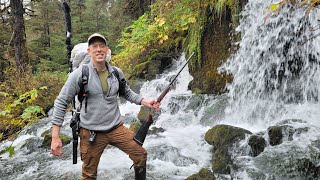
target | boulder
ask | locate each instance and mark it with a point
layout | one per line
(222, 137)
(257, 144)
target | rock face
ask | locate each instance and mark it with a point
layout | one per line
(216, 46)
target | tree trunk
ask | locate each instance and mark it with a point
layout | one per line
(46, 28)
(19, 35)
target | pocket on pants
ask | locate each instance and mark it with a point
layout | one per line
(84, 143)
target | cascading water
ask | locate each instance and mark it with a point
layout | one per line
(276, 83)
(176, 152)
(276, 69)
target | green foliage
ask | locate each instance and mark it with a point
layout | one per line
(10, 150)
(24, 102)
(27, 99)
(166, 26)
(32, 112)
(161, 28)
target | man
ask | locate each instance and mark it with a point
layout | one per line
(101, 116)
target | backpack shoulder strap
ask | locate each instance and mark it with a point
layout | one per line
(83, 84)
(122, 82)
(116, 72)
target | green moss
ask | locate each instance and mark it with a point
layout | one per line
(203, 174)
(47, 140)
(143, 113)
(221, 135)
(134, 126)
(196, 91)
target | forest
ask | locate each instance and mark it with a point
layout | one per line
(33, 51)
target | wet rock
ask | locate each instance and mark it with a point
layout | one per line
(222, 137)
(257, 144)
(285, 131)
(134, 126)
(203, 174)
(47, 140)
(275, 135)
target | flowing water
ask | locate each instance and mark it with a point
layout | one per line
(276, 82)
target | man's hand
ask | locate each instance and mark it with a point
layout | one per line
(56, 144)
(152, 103)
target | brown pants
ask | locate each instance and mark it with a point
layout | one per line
(121, 137)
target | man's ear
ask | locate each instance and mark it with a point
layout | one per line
(88, 49)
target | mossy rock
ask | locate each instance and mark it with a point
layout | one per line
(134, 126)
(203, 174)
(222, 161)
(222, 135)
(143, 113)
(47, 140)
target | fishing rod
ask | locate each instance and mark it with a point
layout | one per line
(143, 130)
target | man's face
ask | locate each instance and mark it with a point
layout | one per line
(98, 51)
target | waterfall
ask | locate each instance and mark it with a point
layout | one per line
(276, 69)
(276, 83)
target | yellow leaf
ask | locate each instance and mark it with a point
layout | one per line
(165, 37)
(151, 28)
(192, 19)
(43, 88)
(273, 7)
(161, 22)
(185, 28)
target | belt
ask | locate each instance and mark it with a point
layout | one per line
(113, 128)
(109, 130)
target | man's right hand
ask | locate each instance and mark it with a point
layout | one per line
(56, 146)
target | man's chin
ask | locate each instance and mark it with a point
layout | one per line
(101, 59)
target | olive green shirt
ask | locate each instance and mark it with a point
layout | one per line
(103, 80)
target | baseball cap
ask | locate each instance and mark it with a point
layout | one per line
(97, 36)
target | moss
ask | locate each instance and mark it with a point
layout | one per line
(168, 25)
(143, 113)
(134, 126)
(196, 91)
(47, 140)
(203, 174)
(221, 135)
(222, 161)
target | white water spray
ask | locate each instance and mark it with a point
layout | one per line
(276, 69)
